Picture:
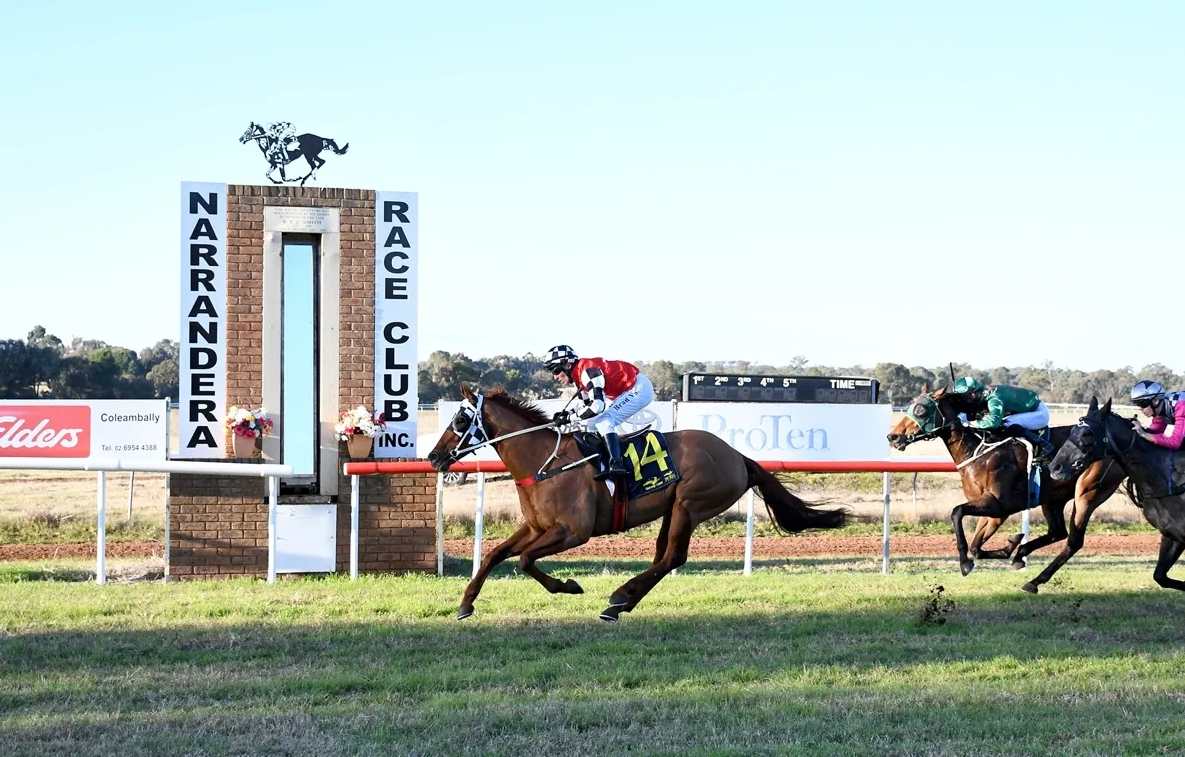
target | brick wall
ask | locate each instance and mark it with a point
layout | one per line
(244, 287)
(396, 524)
(218, 525)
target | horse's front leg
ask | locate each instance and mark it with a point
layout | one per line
(988, 506)
(514, 544)
(1170, 551)
(559, 538)
(985, 529)
(1055, 531)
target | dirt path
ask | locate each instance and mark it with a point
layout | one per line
(56, 551)
(629, 546)
(816, 546)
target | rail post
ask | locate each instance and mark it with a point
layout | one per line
(479, 521)
(749, 536)
(101, 546)
(885, 527)
(355, 507)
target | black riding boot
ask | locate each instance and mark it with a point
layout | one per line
(615, 468)
(1043, 450)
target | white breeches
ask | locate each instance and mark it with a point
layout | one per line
(1034, 420)
(623, 407)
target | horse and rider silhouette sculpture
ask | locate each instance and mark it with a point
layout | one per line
(280, 146)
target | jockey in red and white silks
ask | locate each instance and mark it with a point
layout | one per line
(612, 391)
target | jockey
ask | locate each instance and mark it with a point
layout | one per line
(280, 133)
(1010, 407)
(612, 391)
(1165, 409)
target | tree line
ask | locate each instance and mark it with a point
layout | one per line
(42, 365)
(442, 373)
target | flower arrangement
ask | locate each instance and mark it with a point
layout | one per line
(359, 422)
(249, 423)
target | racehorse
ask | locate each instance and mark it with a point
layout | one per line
(1153, 481)
(996, 483)
(309, 146)
(562, 510)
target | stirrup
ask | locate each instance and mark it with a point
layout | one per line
(610, 472)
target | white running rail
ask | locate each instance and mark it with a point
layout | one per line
(102, 465)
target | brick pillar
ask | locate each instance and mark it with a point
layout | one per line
(218, 524)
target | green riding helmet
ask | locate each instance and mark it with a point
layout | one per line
(966, 385)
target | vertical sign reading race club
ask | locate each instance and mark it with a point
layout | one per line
(396, 261)
(203, 320)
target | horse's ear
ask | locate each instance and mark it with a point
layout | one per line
(467, 393)
(1094, 405)
(926, 388)
(1107, 407)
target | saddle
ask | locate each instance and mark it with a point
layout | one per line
(592, 443)
(653, 468)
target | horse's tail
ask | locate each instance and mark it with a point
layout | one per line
(790, 513)
(333, 146)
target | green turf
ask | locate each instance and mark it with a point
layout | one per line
(803, 657)
(45, 528)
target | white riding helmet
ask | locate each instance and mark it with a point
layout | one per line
(1146, 392)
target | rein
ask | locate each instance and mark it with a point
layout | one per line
(1111, 450)
(982, 449)
(475, 429)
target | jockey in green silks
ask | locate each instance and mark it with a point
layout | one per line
(1015, 410)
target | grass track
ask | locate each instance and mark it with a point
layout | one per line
(803, 657)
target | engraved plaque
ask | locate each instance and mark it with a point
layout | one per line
(298, 220)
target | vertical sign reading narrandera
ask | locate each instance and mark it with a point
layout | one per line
(396, 262)
(203, 320)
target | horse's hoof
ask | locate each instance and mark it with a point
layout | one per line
(571, 587)
(1019, 564)
(966, 566)
(464, 612)
(1029, 588)
(610, 614)
(617, 599)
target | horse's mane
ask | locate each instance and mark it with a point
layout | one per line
(526, 409)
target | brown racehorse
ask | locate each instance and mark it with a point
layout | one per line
(568, 509)
(995, 482)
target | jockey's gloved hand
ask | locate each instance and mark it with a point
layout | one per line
(560, 418)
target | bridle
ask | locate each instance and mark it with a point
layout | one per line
(933, 433)
(1102, 446)
(469, 426)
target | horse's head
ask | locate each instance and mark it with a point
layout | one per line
(1088, 442)
(465, 432)
(925, 418)
(254, 131)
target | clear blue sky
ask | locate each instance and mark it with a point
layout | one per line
(849, 181)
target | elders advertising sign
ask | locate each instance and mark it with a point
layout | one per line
(124, 429)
